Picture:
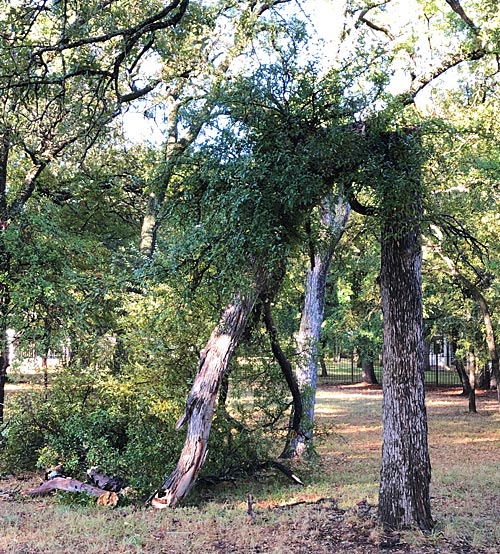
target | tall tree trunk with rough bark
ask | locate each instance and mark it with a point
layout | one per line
(404, 497)
(200, 404)
(334, 214)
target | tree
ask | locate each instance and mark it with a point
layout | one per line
(334, 212)
(66, 72)
(404, 497)
(274, 120)
(204, 54)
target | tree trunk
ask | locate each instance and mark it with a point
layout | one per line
(488, 325)
(368, 372)
(147, 242)
(200, 404)
(405, 476)
(483, 378)
(334, 214)
(286, 369)
(464, 377)
(404, 497)
(324, 372)
(471, 366)
(4, 311)
(4, 271)
(3, 381)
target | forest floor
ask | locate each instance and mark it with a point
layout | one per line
(334, 512)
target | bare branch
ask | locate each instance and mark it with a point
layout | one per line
(374, 26)
(420, 82)
(457, 8)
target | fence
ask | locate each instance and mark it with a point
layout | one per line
(344, 370)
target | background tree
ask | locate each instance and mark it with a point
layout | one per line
(65, 73)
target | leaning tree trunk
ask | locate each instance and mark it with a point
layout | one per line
(200, 404)
(334, 214)
(404, 498)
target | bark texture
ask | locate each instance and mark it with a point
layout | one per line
(368, 372)
(200, 404)
(334, 215)
(404, 496)
(404, 499)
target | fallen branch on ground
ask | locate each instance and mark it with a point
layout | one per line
(65, 484)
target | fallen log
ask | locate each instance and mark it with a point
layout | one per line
(105, 482)
(65, 484)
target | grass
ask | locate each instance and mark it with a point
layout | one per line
(326, 515)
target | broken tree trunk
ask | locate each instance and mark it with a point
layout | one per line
(334, 212)
(200, 404)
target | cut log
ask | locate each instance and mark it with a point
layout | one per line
(65, 484)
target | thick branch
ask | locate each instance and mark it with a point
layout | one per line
(356, 205)
(285, 365)
(374, 26)
(65, 484)
(156, 22)
(419, 83)
(457, 8)
(26, 190)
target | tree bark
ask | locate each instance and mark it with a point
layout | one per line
(368, 372)
(65, 484)
(404, 497)
(200, 404)
(334, 215)
(471, 367)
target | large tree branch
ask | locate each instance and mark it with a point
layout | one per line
(453, 60)
(285, 365)
(457, 8)
(158, 21)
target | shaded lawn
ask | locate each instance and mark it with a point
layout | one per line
(334, 512)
